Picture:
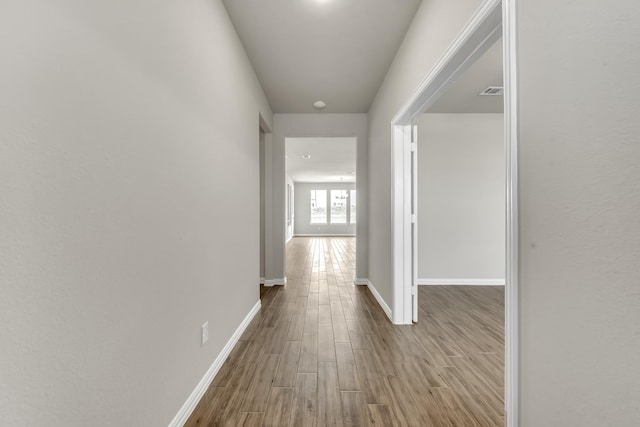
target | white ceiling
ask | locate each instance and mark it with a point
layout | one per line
(331, 159)
(462, 95)
(337, 51)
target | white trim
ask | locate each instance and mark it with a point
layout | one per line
(274, 282)
(413, 223)
(461, 282)
(401, 224)
(381, 301)
(358, 281)
(512, 367)
(481, 32)
(289, 239)
(325, 235)
(183, 414)
(262, 280)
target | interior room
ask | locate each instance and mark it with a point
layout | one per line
(145, 195)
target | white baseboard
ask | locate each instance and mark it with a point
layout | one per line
(262, 280)
(289, 239)
(325, 235)
(462, 282)
(183, 415)
(274, 282)
(385, 307)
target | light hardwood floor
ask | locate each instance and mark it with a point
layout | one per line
(321, 352)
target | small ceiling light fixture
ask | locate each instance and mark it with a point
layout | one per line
(306, 156)
(319, 105)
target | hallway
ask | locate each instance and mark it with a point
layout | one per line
(322, 352)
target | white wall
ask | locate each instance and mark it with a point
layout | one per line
(303, 210)
(324, 126)
(434, 27)
(119, 226)
(579, 212)
(461, 197)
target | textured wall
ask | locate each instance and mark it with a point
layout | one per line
(129, 206)
(434, 27)
(579, 212)
(461, 196)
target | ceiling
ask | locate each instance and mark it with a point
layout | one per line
(462, 96)
(337, 51)
(331, 159)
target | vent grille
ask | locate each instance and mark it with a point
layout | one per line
(492, 91)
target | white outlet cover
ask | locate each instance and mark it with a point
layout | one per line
(205, 333)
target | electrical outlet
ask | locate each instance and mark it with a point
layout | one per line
(205, 333)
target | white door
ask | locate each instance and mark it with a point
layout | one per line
(414, 222)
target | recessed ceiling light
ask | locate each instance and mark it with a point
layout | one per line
(319, 105)
(306, 156)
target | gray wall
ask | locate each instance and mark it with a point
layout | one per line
(579, 199)
(262, 204)
(119, 227)
(461, 197)
(579, 212)
(321, 125)
(434, 27)
(303, 210)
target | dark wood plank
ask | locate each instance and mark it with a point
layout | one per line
(305, 402)
(279, 408)
(249, 419)
(258, 391)
(329, 403)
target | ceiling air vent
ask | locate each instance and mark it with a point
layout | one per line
(492, 91)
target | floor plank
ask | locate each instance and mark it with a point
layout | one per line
(279, 407)
(322, 352)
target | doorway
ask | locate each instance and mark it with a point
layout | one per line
(321, 187)
(482, 32)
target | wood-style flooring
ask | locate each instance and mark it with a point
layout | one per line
(321, 352)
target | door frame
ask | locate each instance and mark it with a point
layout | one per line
(494, 18)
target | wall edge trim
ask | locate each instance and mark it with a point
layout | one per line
(324, 235)
(273, 282)
(385, 307)
(194, 398)
(461, 282)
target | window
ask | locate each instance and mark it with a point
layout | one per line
(333, 206)
(318, 206)
(352, 202)
(339, 201)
